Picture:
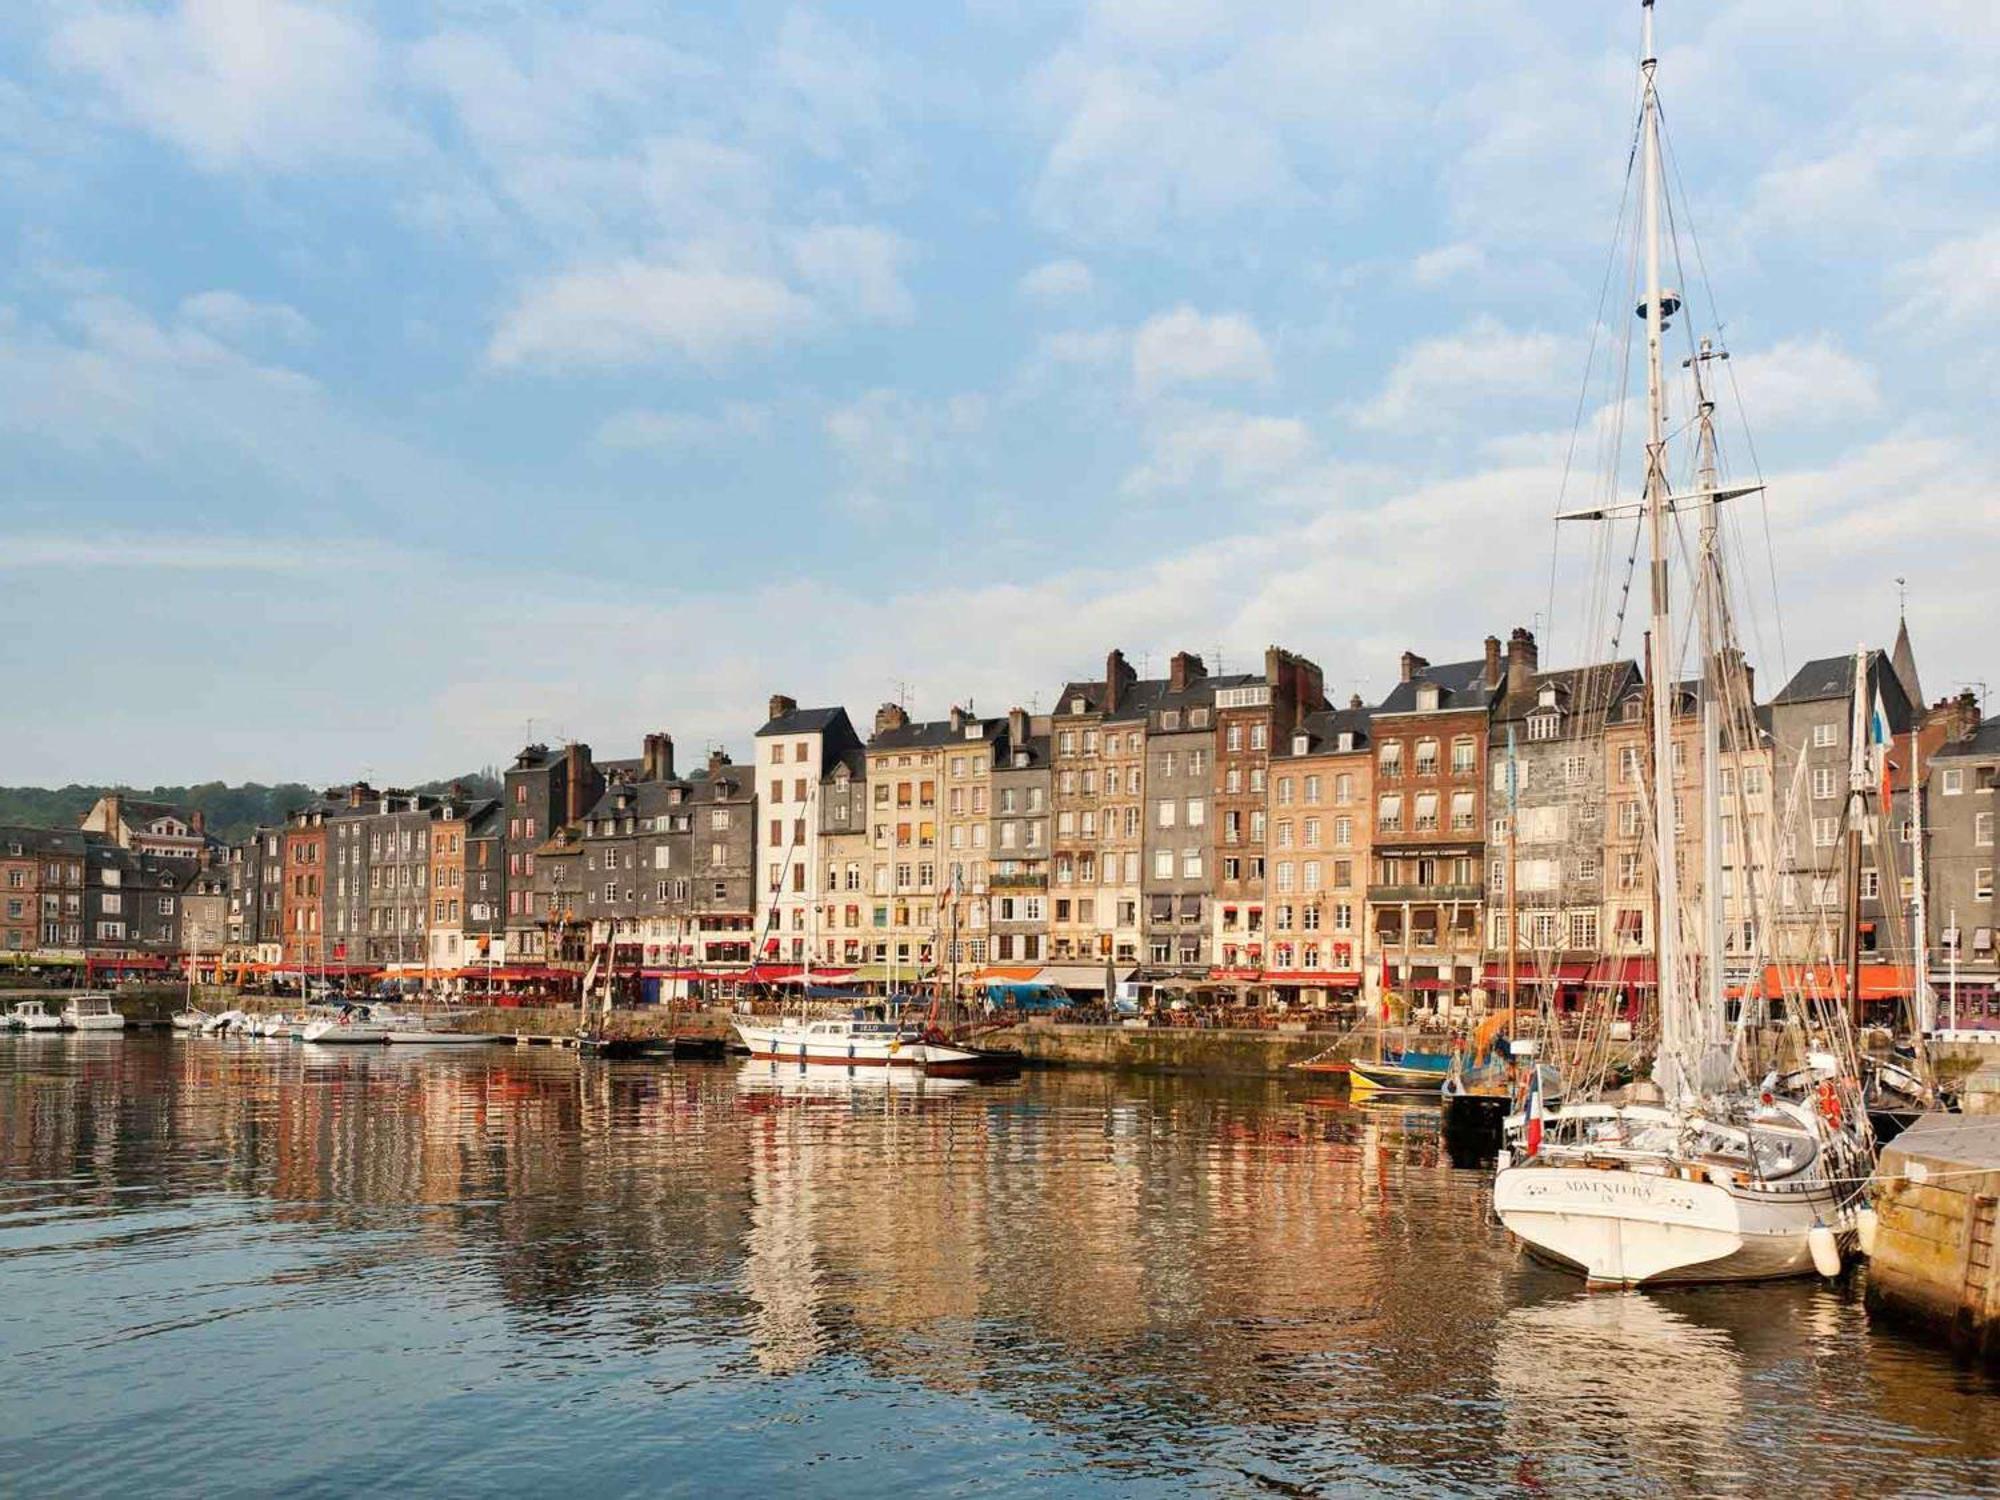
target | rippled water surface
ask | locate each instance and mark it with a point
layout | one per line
(258, 1267)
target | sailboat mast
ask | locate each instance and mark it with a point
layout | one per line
(1708, 584)
(1857, 811)
(1924, 1006)
(1671, 1071)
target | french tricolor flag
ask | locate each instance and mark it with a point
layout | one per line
(1531, 1113)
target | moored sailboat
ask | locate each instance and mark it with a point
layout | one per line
(1722, 1179)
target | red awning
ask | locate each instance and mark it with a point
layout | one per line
(1878, 981)
(1529, 971)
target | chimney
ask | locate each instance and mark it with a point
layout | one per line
(357, 793)
(577, 764)
(957, 719)
(1492, 661)
(1185, 668)
(890, 716)
(1354, 700)
(1412, 664)
(1522, 658)
(717, 759)
(1959, 716)
(199, 821)
(780, 706)
(1017, 729)
(1117, 678)
(657, 762)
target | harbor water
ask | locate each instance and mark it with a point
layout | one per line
(234, 1268)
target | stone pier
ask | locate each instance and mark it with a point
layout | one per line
(1936, 1267)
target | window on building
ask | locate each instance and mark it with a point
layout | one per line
(1825, 734)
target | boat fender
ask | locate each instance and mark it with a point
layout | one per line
(1504, 1160)
(1865, 1225)
(1829, 1104)
(1825, 1250)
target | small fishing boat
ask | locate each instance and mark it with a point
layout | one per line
(33, 1015)
(91, 1012)
(1403, 1072)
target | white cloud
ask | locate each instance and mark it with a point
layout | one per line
(1803, 383)
(234, 317)
(1446, 262)
(1184, 347)
(181, 553)
(1220, 449)
(633, 313)
(1056, 281)
(1439, 381)
(888, 442)
(639, 429)
(1085, 346)
(1951, 290)
(857, 269)
(273, 84)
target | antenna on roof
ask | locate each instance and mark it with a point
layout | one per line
(531, 731)
(1902, 596)
(1218, 658)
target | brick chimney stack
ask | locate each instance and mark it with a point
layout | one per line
(1017, 729)
(1492, 661)
(577, 801)
(1959, 716)
(957, 719)
(717, 759)
(1185, 668)
(780, 706)
(1522, 659)
(891, 716)
(657, 761)
(1117, 678)
(198, 821)
(1413, 664)
(1354, 700)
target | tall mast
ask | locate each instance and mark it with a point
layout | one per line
(1671, 1070)
(1714, 703)
(1922, 1003)
(1857, 811)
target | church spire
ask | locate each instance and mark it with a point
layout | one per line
(1904, 660)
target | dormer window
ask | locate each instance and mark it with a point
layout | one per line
(1301, 743)
(1076, 705)
(1547, 697)
(1020, 760)
(1170, 718)
(1427, 698)
(1346, 741)
(1544, 726)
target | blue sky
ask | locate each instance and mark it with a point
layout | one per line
(376, 378)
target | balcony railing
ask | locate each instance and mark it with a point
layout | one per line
(1388, 893)
(1020, 881)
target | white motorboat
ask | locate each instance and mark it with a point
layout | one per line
(33, 1015)
(225, 1023)
(190, 1020)
(866, 1038)
(91, 1012)
(275, 1027)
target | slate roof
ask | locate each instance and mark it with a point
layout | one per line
(1594, 689)
(1462, 686)
(1983, 741)
(1323, 730)
(936, 733)
(803, 721)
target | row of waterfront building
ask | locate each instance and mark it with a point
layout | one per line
(1234, 836)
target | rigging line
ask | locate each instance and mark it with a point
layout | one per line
(1735, 390)
(1590, 354)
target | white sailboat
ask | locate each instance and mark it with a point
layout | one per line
(1723, 1179)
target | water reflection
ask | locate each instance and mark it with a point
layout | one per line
(532, 1270)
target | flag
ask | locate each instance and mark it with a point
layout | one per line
(1531, 1113)
(1879, 740)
